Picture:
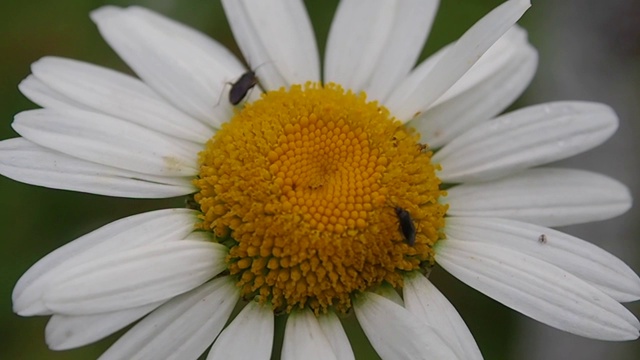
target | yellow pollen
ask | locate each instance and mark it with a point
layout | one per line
(303, 186)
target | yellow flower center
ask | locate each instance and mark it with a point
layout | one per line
(306, 187)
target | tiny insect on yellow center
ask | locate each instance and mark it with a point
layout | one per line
(304, 186)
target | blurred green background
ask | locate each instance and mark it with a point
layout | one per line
(589, 50)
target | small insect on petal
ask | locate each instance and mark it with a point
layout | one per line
(406, 226)
(240, 88)
(542, 239)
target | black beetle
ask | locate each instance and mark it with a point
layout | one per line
(240, 88)
(406, 226)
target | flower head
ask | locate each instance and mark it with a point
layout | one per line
(312, 199)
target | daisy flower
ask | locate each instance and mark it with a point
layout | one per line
(317, 197)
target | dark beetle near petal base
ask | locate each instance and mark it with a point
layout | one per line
(240, 88)
(406, 225)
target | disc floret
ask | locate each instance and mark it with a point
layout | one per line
(306, 183)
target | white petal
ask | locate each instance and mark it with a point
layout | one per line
(416, 76)
(24, 161)
(412, 25)
(186, 67)
(199, 235)
(372, 45)
(332, 329)
(390, 293)
(525, 138)
(182, 328)
(580, 258)
(135, 277)
(68, 331)
(509, 47)
(357, 38)
(408, 99)
(304, 338)
(424, 300)
(544, 196)
(277, 34)
(127, 233)
(41, 94)
(109, 92)
(492, 84)
(109, 141)
(255, 326)
(397, 334)
(537, 289)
